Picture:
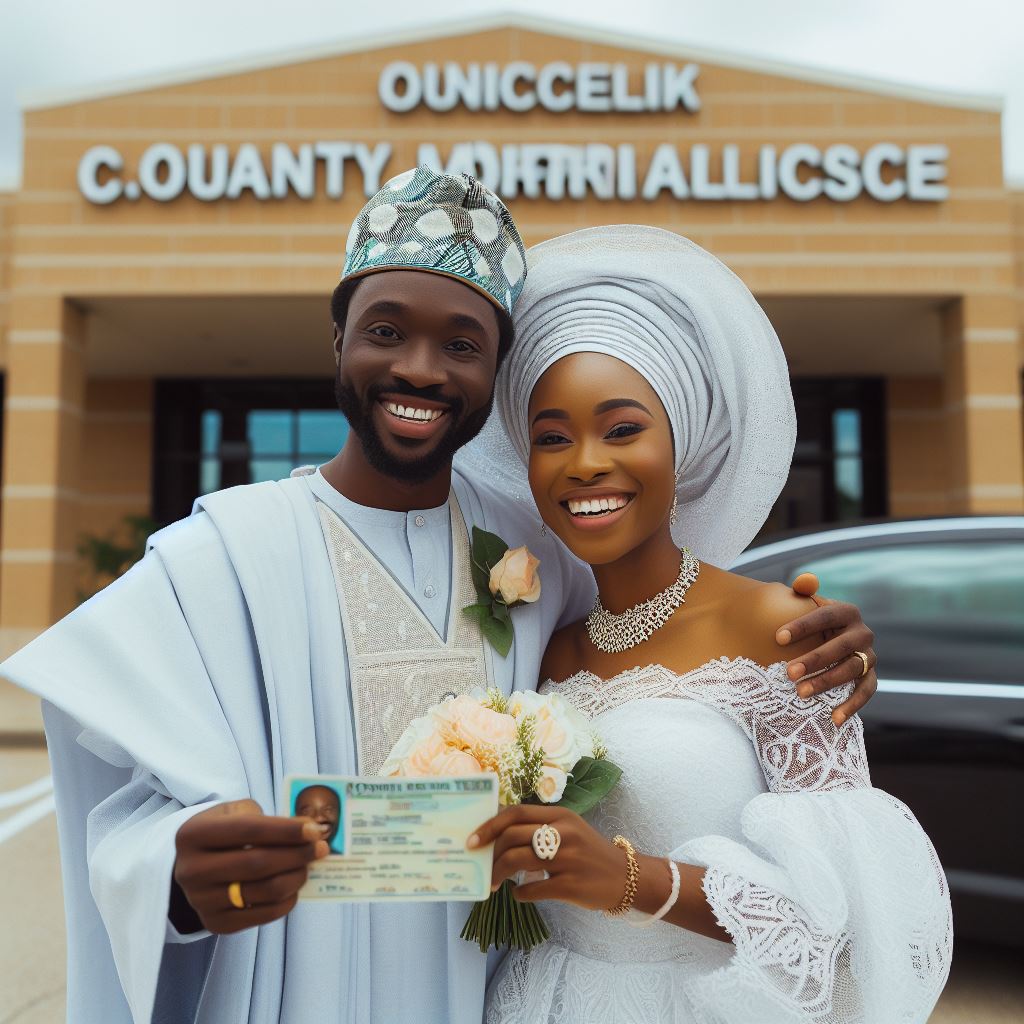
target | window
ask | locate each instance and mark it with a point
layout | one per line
(214, 434)
(839, 470)
(942, 610)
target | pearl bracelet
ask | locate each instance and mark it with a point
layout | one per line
(669, 903)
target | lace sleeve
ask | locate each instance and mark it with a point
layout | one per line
(837, 907)
(798, 745)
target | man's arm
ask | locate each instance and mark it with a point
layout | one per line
(845, 632)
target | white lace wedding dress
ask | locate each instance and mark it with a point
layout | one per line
(832, 893)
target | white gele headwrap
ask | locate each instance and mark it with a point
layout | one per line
(690, 326)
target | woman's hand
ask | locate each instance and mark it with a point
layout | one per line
(845, 632)
(587, 870)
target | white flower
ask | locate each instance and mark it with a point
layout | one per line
(417, 732)
(561, 731)
(551, 784)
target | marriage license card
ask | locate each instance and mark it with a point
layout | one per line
(396, 839)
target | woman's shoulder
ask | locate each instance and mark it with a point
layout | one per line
(750, 612)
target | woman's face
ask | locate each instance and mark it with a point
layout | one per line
(601, 458)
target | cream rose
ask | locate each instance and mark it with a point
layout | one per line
(562, 731)
(416, 733)
(551, 784)
(515, 577)
(454, 762)
(422, 757)
(471, 724)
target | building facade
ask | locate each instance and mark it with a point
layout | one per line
(166, 263)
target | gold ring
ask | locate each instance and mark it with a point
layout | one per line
(546, 841)
(235, 896)
(864, 661)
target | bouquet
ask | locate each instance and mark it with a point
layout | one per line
(542, 750)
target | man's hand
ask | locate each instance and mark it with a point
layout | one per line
(845, 633)
(237, 842)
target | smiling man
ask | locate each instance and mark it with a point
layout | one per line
(296, 627)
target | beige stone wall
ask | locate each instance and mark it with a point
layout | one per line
(76, 453)
(116, 455)
(6, 246)
(780, 247)
(1016, 200)
(918, 473)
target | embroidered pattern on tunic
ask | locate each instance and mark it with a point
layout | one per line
(398, 665)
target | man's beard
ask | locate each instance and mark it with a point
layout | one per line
(415, 469)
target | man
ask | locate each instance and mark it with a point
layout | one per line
(297, 627)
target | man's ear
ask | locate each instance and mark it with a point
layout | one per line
(337, 344)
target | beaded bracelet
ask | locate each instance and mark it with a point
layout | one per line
(632, 873)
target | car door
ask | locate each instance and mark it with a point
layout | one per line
(945, 733)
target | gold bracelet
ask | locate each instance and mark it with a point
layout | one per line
(632, 874)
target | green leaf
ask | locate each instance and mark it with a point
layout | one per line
(590, 782)
(477, 612)
(481, 579)
(487, 551)
(498, 633)
(500, 611)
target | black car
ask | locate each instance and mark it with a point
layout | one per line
(945, 732)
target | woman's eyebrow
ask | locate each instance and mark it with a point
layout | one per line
(620, 403)
(551, 414)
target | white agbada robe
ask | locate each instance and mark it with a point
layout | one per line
(208, 672)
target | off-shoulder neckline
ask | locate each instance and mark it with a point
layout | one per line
(725, 662)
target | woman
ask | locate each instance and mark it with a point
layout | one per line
(769, 880)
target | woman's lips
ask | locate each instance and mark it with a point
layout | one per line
(598, 520)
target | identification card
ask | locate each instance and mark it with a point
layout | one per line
(395, 840)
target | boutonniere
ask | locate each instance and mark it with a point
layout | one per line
(504, 577)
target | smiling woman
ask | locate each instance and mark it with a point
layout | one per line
(649, 394)
(598, 463)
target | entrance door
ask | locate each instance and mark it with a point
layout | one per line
(211, 434)
(839, 470)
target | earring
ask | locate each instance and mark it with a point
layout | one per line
(673, 512)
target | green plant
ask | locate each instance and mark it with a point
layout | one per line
(111, 555)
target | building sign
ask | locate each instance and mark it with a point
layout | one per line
(801, 171)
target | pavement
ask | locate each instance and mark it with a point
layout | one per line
(986, 985)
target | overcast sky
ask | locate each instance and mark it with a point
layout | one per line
(955, 45)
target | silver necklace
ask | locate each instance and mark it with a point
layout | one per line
(614, 634)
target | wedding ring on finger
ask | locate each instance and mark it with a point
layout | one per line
(864, 662)
(546, 841)
(235, 896)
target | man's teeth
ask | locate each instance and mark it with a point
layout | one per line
(595, 506)
(409, 412)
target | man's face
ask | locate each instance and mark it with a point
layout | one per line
(321, 804)
(416, 365)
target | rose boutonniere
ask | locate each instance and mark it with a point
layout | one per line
(504, 577)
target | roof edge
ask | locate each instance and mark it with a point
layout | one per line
(38, 99)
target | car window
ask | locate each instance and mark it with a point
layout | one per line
(940, 610)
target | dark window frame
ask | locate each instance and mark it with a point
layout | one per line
(177, 428)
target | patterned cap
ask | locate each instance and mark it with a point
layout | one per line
(444, 223)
